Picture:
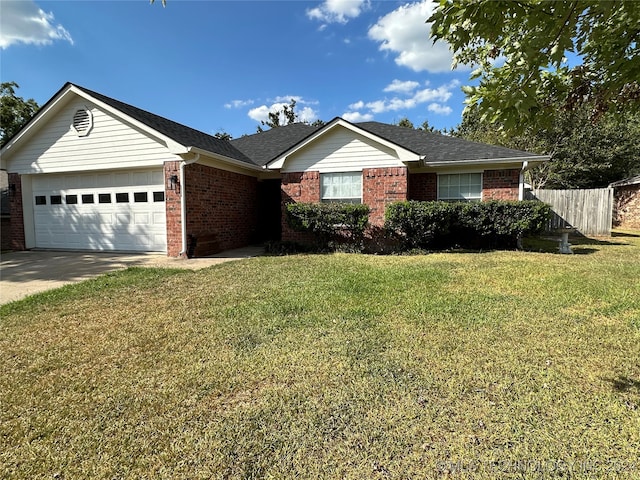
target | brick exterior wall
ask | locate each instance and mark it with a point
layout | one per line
(627, 207)
(298, 187)
(221, 210)
(172, 206)
(380, 187)
(423, 187)
(17, 241)
(500, 184)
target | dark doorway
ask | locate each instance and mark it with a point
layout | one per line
(269, 210)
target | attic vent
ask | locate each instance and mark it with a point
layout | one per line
(82, 122)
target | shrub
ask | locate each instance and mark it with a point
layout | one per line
(493, 224)
(330, 222)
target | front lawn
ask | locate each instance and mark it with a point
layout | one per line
(475, 365)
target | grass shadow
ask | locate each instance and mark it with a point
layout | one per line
(624, 384)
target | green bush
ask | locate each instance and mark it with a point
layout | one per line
(493, 224)
(337, 222)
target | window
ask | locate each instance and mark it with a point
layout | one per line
(55, 199)
(140, 197)
(158, 196)
(104, 198)
(87, 198)
(122, 197)
(71, 199)
(41, 199)
(464, 187)
(341, 187)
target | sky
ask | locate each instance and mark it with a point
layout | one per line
(221, 66)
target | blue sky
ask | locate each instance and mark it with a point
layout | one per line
(222, 65)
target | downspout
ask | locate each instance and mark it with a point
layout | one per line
(183, 203)
(525, 165)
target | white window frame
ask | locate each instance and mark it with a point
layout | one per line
(460, 198)
(341, 198)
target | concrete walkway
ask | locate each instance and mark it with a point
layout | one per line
(26, 273)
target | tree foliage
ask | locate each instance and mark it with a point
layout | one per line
(520, 49)
(583, 154)
(281, 117)
(15, 111)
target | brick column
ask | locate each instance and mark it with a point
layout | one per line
(380, 187)
(298, 187)
(423, 186)
(172, 205)
(17, 241)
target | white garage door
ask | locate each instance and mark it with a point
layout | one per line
(121, 210)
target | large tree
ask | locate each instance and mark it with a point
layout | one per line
(519, 50)
(14, 111)
(584, 154)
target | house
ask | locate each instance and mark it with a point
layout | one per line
(89, 172)
(626, 195)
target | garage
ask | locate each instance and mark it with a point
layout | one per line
(104, 211)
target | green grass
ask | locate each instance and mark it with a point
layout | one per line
(475, 365)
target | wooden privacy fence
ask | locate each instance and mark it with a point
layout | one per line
(589, 211)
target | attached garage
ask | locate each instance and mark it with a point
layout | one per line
(121, 210)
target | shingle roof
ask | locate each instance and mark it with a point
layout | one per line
(265, 146)
(440, 148)
(261, 148)
(180, 133)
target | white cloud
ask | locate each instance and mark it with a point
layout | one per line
(24, 22)
(238, 103)
(261, 113)
(337, 11)
(405, 33)
(439, 109)
(401, 87)
(434, 97)
(357, 117)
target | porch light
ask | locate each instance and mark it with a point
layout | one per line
(172, 182)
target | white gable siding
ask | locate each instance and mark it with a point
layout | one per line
(111, 144)
(341, 150)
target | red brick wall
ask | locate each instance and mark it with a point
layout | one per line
(172, 205)
(500, 184)
(423, 186)
(380, 187)
(298, 187)
(221, 209)
(627, 207)
(17, 241)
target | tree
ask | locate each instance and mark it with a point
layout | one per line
(406, 123)
(520, 49)
(280, 118)
(15, 111)
(583, 154)
(222, 135)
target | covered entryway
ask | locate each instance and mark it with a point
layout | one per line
(105, 211)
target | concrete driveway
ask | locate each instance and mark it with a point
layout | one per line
(26, 273)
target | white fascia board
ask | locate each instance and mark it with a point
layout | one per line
(225, 159)
(483, 161)
(404, 155)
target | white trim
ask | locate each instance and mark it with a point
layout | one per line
(486, 161)
(339, 198)
(403, 154)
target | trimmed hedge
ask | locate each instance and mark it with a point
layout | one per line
(493, 224)
(338, 222)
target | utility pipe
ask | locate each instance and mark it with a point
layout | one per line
(183, 202)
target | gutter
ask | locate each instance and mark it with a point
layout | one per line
(525, 166)
(183, 203)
